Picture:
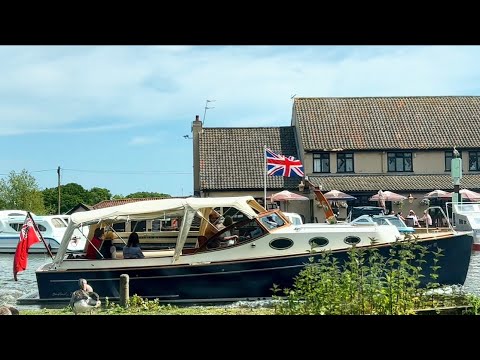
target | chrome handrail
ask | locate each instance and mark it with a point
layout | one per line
(444, 215)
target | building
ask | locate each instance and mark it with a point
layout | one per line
(355, 145)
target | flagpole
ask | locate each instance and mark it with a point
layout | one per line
(39, 233)
(265, 176)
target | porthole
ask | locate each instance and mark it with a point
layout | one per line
(352, 240)
(318, 242)
(281, 244)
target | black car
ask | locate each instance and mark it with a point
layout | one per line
(364, 210)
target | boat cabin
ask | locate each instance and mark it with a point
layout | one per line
(159, 236)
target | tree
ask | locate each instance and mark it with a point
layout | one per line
(20, 191)
(70, 195)
(146, 194)
(50, 200)
(97, 195)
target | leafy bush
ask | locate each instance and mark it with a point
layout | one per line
(367, 283)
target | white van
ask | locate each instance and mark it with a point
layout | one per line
(294, 218)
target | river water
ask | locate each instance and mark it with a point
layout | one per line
(11, 290)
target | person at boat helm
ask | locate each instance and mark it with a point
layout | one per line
(95, 244)
(227, 239)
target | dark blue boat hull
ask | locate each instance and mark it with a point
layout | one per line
(232, 280)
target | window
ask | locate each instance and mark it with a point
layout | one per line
(345, 162)
(139, 226)
(58, 223)
(380, 221)
(119, 227)
(400, 162)
(18, 226)
(352, 240)
(474, 161)
(318, 242)
(321, 163)
(448, 160)
(272, 221)
(281, 244)
(156, 225)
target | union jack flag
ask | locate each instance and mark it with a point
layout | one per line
(280, 165)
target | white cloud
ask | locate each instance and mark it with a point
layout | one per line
(85, 88)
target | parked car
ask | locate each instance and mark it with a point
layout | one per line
(385, 220)
(294, 218)
(357, 211)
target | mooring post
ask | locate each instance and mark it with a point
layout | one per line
(124, 290)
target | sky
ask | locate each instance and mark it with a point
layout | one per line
(115, 117)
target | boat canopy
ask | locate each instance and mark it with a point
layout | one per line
(151, 209)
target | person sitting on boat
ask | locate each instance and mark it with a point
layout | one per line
(226, 238)
(413, 216)
(219, 225)
(132, 249)
(93, 249)
(427, 218)
(108, 250)
(215, 224)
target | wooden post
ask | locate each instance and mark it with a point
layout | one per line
(124, 290)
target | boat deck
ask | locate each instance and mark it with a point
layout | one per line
(422, 233)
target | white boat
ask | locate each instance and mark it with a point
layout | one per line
(467, 218)
(269, 250)
(60, 223)
(52, 229)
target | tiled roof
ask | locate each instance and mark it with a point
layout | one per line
(108, 203)
(370, 123)
(394, 182)
(233, 158)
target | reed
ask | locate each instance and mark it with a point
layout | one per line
(369, 283)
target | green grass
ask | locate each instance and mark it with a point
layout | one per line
(165, 310)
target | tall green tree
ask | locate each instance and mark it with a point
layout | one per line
(50, 200)
(20, 191)
(146, 194)
(96, 194)
(70, 195)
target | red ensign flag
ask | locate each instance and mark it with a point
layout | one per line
(28, 237)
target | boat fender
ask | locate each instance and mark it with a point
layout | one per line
(253, 245)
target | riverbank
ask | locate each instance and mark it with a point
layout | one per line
(452, 310)
(166, 310)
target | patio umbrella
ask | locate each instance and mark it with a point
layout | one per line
(336, 195)
(466, 194)
(387, 196)
(286, 195)
(435, 194)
